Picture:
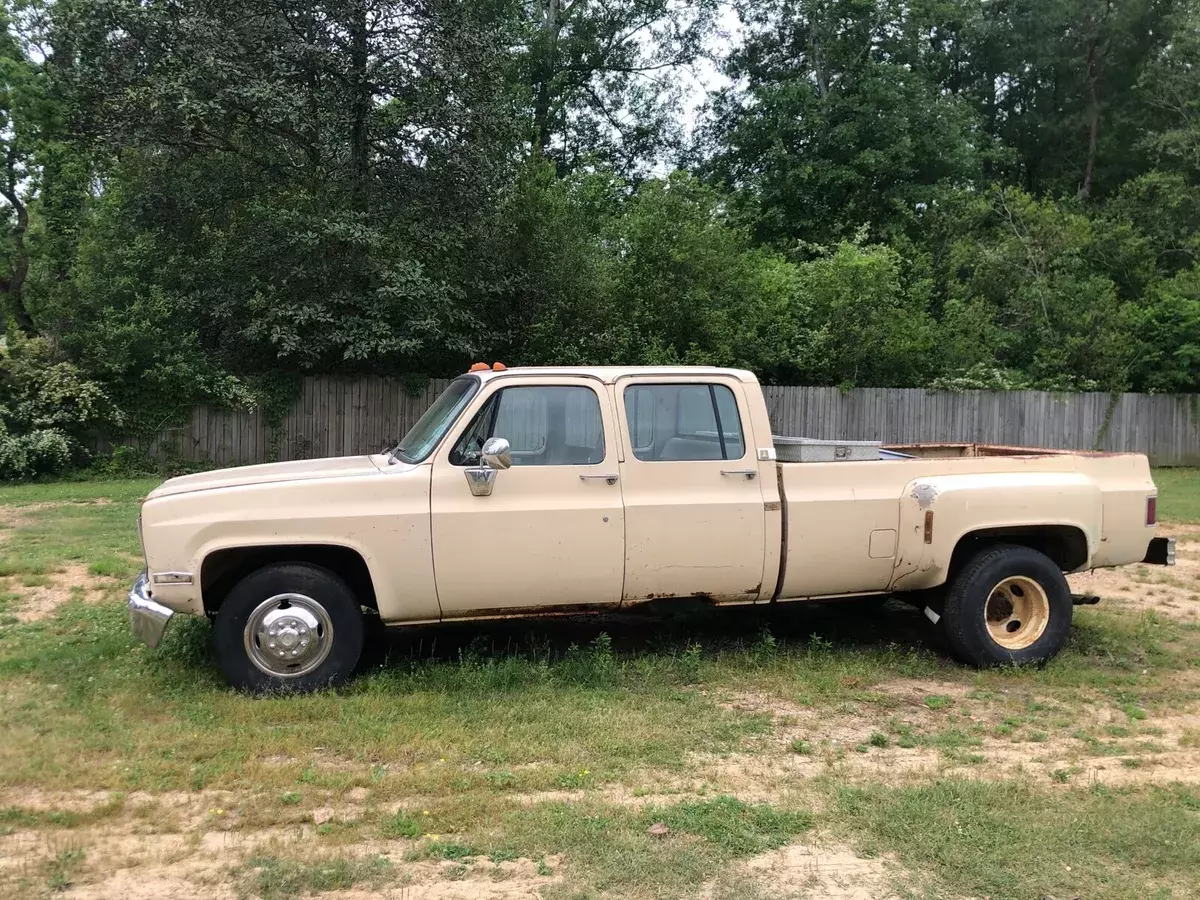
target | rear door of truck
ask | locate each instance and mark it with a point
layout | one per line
(694, 516)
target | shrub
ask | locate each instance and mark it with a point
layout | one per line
(38, 453)
(48, 410)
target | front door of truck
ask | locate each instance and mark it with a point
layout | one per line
(552, 531)
(694, 518)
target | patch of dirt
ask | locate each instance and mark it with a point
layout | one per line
(40, 602)
(127, 858)
(1156, 750)
(1172, 591)
(826, 871)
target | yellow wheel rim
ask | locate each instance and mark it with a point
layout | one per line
(1017, 612)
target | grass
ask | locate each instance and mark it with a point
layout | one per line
(1012, 840)
(273, 878)
(544, 741)
(1178, 494)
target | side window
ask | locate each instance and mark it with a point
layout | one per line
(544, 426)
(683, 422)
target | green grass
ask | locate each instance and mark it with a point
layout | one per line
(1011, 840)
(274, 878)
(617, 856)
(473, 733)
(1178, 494)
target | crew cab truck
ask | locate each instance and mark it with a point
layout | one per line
(534, 491)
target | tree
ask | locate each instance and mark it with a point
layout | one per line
(298, 178)
(24, 113)
(604, 77)
(840, 123)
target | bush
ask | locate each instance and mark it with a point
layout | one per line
(38, 453)
(49, 410)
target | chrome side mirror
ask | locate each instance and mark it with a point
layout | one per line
(495, 456)
(496, 453)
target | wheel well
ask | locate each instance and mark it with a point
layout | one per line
(1065, 544)
(222, 569)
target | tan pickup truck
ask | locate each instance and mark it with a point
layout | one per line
(528, 492)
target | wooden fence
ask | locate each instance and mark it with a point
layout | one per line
(338, 417)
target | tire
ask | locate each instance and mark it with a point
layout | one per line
(319, 630)
(1008, 604)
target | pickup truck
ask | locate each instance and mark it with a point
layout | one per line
(535, 491)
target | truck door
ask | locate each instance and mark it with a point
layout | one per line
(694, 516)
(551, 532)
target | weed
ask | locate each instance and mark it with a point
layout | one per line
(60, 871)
(937, 701)
(689, 664)
(878, 739)
(434, 847)
(801, 746)
(401, 825)
(273, 878)
(765, 647)
(1134, 712)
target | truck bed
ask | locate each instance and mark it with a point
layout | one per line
(893, 524)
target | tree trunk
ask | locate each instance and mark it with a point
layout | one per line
(543, 74)
(1094, 60)
(1085, 187)
(360, 103)
(13, 285)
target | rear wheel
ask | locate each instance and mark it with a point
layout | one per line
(1008, 604)
(288, 628)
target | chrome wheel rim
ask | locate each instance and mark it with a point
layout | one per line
(1017, 612)
(288, 635)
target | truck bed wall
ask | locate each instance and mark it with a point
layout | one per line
(859, 526)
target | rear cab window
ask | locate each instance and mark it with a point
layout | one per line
(679, 422)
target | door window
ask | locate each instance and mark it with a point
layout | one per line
(544, 425)
(674, 422)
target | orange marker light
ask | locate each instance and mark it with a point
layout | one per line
(479, 367)
(498, 367)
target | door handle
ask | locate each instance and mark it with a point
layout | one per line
(747, 473)
(607, 479)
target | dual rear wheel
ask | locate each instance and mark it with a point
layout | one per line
(1007, 604)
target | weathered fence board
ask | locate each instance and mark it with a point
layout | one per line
(338, 417)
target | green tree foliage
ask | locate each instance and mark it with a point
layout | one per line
(202, 201)
(837, 120)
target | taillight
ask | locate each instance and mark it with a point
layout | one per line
(1151, 510)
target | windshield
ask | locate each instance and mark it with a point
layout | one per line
(432, 427)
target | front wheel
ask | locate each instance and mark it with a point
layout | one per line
(1008, 604)
(288, 628)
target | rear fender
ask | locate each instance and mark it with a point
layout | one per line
(938, 512)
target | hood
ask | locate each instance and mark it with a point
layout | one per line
(297, 470)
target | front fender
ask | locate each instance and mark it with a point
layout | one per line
(962, 504)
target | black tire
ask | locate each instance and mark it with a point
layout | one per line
(966, 610)
(344, 629)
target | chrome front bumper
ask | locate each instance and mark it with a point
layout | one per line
(147, 619)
